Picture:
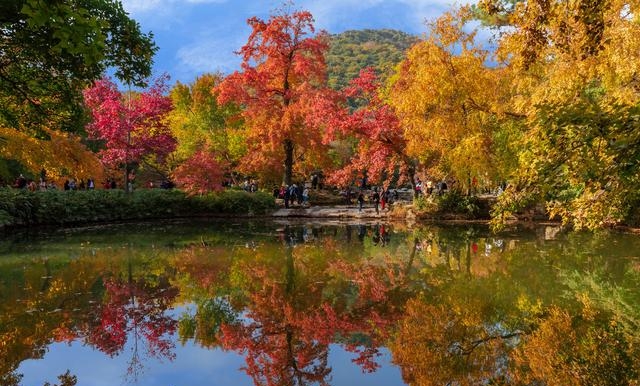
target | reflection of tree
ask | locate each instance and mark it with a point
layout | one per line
(58, 300)
(136, 307)
(204, 326)
(297, 307)
(39, 304)
(532, 313)
(445, 344)
(449, 344)
(204, 280)
(588, 349)
(276, 354)
(541, 314)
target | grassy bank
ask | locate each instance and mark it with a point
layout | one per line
(21, 208)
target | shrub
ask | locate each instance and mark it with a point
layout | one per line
(455, 202)
(19, 207)
(425, 204)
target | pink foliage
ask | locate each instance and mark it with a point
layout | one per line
(134, 308)
(131, 128)
(200, 174)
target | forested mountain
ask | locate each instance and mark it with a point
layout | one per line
(352, 51)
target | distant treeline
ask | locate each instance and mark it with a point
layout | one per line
(351, 51)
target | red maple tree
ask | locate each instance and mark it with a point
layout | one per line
(380, 147)
(283, 70)
(200, 174)
(131, 127)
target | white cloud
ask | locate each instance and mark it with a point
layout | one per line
(136, 7)
(330, 14)
(208, 55)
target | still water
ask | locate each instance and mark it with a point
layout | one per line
(258, 303)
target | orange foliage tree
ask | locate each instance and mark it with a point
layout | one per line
(283, 72)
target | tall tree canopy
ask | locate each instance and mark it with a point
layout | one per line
(208, 134)
(283, 70)
(51, 50)
(576, 66)
(450, 102)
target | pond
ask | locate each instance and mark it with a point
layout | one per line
(266, 303)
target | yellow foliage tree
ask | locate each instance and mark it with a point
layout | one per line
(63, 155)
(451, 103)
(575, 67)
(199, 123)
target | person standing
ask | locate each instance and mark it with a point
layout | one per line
(287, 196)
(299, 195)
(305, 197)
(376, 199)
(418, 188)
(360, 201)
(21, 182)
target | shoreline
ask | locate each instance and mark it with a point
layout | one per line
(337, 214)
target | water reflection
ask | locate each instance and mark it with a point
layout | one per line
(454, 305)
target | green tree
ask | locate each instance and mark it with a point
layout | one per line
(199, 123)
(51, 50)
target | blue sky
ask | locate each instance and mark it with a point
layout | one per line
(199, 36)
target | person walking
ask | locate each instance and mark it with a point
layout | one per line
(360, 201)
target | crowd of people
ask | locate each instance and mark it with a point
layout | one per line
(43, 184)
(296, 194)
(291, 195)
(71, 183)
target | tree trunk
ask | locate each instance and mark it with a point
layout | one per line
(126, 178)
(288, 161)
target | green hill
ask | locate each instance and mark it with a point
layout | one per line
(352, 51)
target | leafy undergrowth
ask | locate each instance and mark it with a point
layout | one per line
(20, 207)
(452, 205)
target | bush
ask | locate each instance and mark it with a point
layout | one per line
(19, 207)
(452, 202)
(425, 204)
(455, 202)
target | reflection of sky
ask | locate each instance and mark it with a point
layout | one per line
(193, 366)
